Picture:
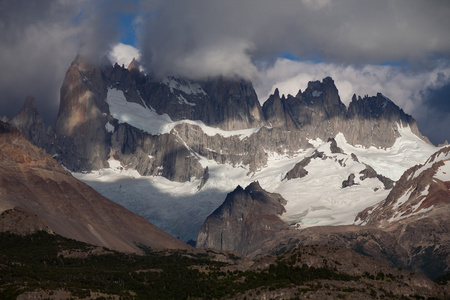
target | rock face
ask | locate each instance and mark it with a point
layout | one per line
(30, 122)
(409, 229)
(248, 217)
(87, 135)
(374, 120)
(40, 194)
(80, 126)
(417, 212)
(21, 221)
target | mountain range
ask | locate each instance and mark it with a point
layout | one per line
(206, 162)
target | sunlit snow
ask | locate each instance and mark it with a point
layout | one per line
(317, 199)
(444, 172)
(149, 121)
(407, 151)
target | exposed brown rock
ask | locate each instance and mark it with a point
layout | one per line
(19, 221)
(247, 218)
(33, 180)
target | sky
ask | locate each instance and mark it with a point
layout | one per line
(400, 48)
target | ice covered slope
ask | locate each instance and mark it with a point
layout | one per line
(316, 199)
(148, 120)
(422, 191)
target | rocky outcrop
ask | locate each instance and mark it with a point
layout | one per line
(317, 112)
(228, 104)
(158, 155)
(232, 104)
(277, 112)
(374, 121)
(30, 122)
(20, 221)
(83, 143)
(350, 181)
(417, 212)
(369, 172)
(247, 218)
(298, 171)
(34, 181)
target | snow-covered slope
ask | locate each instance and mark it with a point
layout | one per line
(419, 190)
(148, 120)
(316, 199)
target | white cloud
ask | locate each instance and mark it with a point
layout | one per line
(407, 89)
(349, 32)
(411, 91)
(123, 54)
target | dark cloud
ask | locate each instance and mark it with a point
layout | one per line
(434, 120)
(39, 40)
(178, 34)
(195, 38)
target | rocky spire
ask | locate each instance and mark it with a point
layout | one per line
(30, 122)
(246, 214)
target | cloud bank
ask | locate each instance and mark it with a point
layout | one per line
(425, 94)
(400, 48)
(238, 35)
(39, 40)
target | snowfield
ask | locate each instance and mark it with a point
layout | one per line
(148, 120)
(316, 199)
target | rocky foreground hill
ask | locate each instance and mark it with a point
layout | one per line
(410, 228)
(36, 193)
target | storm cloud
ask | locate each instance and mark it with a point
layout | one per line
(39, 40)
(400, 48)
(182, 36)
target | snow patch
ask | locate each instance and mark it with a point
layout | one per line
(443, 173)
(429, 163)
(316, 93)
(407, 151)
(399, 216)
(185, 86)
(424, 195)
(149, 121)
(400, 201)
(183, 100)
(109, 127)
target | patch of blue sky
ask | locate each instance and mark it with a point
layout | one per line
(127, 29)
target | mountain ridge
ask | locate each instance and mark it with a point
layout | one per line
(86, 127)
(171, 150)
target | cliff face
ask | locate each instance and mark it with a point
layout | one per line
(30, 122)
(37, 188)
(87, 133)
(82, 141)
(247, 218)
(417, 212)
(410, 228)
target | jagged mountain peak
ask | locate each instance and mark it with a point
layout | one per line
(246, 214)
(417, 194)
(30, 104)
(133, 65)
